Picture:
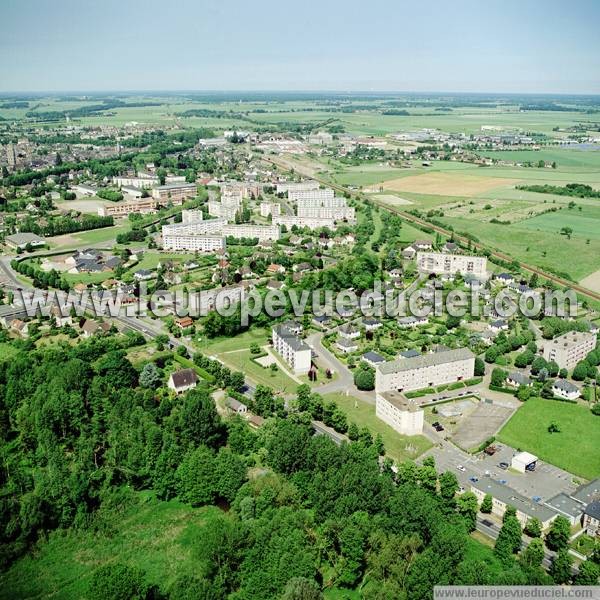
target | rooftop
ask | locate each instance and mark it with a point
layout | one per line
(566, 505)
(425, 360)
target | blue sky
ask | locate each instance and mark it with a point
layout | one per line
(478, 46)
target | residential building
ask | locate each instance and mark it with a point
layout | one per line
(346, 345)
(236, 407)
(122, 209)
(517, 379)
(310, 222)
(591, 518)
(570, 348)
(568, 507)
(427, 370)
(504, 496)
(249, 230)
(183, 380)
(565, 389)
(297, 186)
(292, 349)
(140, 181)
(175, 193)
(85, 190)
(193, 243)
(270, 208)
(444, 263)
(194, 227)
(401, 414)
(372, 358)
(315, 196)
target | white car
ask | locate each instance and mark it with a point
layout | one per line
(460, 468)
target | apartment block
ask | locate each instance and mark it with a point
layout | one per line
(570, 348)
(249, 230)
(317, 195)
(270, 208)
(309, 222)
(337, 213)
(444, 263)
(426, 370)
(403, 415)
(292, 349)
(210, 226)
(140, 182)
(193, 243)
(176, 193)
(201, 303)
(297, 186)
(122, 209)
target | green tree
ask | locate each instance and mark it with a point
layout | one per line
(448, 485)
(533, 555)
(533, 527)
(301, 588)
(486, 504)
(196, 480)
(467, 508)
(508, 541)
(479, 367)
(588, 574)
(560, 570)
(364, 377)
(557, 537)
(150, 376)
(117, 582)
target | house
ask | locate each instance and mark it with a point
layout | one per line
(143, 275)
(409, 354)
(591, 518)
(183, 380)
(90, 328)
(505, 278)
(372, 358)
(498, 325)
(409, 253)
(184, 322)
(321, 320)
(273, 284)
(274, 269)
(20, 327)
(347, 345)
(517, 379)
(395, 273)
(422, 245)
(565, 389)
(237, 407)
(450, 247)
(256, 421)
(371, 324)
(349, 332)
(293, 326)
(19, 241)
(407, 322)
(302, 267)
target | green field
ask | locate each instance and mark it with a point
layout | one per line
(584, 223)
(399, 447)
(162, 538)
(573, 449)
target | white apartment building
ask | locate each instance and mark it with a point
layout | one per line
(426, 370)
(317, 196)
(292, 349)
(139, 181)
(310, 222)
(444, 263)
(298, 186)
(570, 348)
(243, 189)
(403, 415)
(225, 211)
(176, 193)
(193, 243)
(270, 208)
(201, 303)
(338, 213)
(249, 230)
(210, 226)
(191, 216)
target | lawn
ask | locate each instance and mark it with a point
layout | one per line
(158, 537)
(399, 447)
(584, 223)
(574, 448)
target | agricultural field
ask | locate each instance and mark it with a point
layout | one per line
(574, 448)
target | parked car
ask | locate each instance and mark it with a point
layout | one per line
(473, 479)
(503, 465)
(460, 468)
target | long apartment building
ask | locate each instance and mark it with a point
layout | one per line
(570, 348)
(270, 208)
(210, 226)
(249, 230)
(139, 181)
(426, 370)
(401, 414)
(297, 186)
(122, 209)
(242, 188)
(176, 193)
(309, 222)
(292, 349)
(451, 264)
(193, 242)
(316, 196)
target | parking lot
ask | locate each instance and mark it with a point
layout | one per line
(480, 424)
(546, 481)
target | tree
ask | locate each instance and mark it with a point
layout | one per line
(150, 376)
(560, 570)
(580, 371)
(196, 480)
(553, 427)
(301, 588)
(533, 528)
(486, 504)
(479, 367)
(508, 541)
(533, 555)
(448, 485)
(190, 587)
(510, 511)
(236, 380)
(364, 377)
(353, 432)
(467, 508)
(498, 377)
(230, 474)
(588, 574)
(538, 364)
(199, 420)
(559, 533)
(491, 354)
(117, 582)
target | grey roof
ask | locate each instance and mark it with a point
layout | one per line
(373, 357)
(565, 386)
(520, 378)
(346, 343)
(593, 509)
(294, 342)
(412, 353)
(588, 492)
(425, 360)
(22, 239)
(236, 404)
(511, 497)
(505, 276)
(566, 505)
(171, 186)
(184, 377)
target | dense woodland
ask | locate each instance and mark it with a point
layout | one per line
(80, 426)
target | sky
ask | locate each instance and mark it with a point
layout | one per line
(549, 46)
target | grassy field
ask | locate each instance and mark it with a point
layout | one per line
(584, 223)
(158, 537)
(399, 447)
(573, 449)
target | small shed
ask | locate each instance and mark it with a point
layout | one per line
(524, 461)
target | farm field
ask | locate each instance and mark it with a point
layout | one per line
(573, 448)
(584, 223)
(159, 537)
(399, 447)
